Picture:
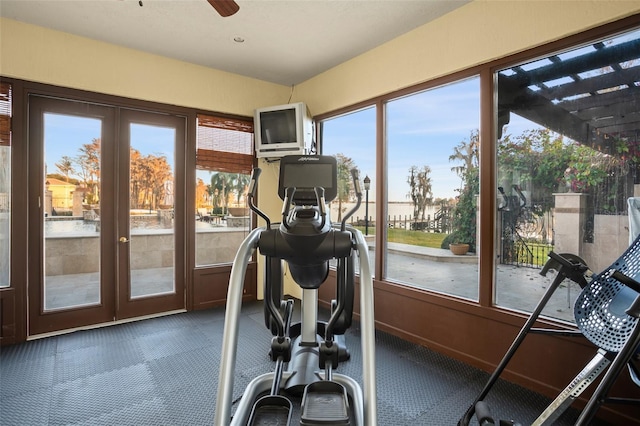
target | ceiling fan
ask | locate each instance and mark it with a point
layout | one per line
(224, 7)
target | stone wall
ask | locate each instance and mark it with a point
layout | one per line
(80, 254)
(610, 232)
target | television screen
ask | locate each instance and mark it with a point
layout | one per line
(282, 130)
(305, 173)
(278, 126)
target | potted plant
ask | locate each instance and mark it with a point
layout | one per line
(459, 248)
(456, 243)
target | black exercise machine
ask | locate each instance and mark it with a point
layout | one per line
(306, 353)
(607, 313)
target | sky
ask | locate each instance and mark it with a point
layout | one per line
(422, 129)
(65, 134)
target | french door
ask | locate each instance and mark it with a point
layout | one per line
(105, 191)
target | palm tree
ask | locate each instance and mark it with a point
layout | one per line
(240, 186)
(220, 185)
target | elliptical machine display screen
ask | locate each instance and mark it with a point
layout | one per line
(306, 172)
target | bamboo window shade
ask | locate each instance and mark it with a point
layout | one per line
(5, 114)
(224, 144)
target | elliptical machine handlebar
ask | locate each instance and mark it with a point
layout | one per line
(355, 175)
(286, 205)
(322, 208)
(253, 188)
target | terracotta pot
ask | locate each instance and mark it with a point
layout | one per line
(459, 249)
(238, 211)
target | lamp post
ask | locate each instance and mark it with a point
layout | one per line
(367, 185)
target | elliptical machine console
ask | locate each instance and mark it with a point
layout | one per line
(305, 239)
(306, 353)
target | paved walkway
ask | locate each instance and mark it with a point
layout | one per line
(439, 270)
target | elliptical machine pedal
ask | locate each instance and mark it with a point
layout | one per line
(271, 410)
(275, 409)
(325, 403)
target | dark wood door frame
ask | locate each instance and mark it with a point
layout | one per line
(115, 303)
(15, 299)
(41, 321)
(126, 306)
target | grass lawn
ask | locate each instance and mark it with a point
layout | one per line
(431, 239)
(416, 238)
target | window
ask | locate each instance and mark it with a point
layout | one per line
(432, 168)
(5, 184)
(224, 160)
(568, 156)
(352, 139)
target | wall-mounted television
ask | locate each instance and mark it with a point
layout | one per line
(282, 130)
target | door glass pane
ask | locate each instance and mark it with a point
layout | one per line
(151, 214)
(71, 202)
(568, 167)
(432, 141)
(5, 215)
(222, 219)
(222, 215)
(351, 138)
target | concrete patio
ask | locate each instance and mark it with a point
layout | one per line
(518, 288)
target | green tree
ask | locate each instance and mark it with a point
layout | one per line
(536, 160)
(465, 210)
(544, 162)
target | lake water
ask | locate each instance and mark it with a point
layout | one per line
(73, 226)
(397, 209)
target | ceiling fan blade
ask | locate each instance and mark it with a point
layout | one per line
(224, 7)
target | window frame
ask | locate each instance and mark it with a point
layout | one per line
(487, 160)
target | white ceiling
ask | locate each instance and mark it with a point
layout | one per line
(285, 42)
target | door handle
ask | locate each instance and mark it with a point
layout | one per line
(123, 240)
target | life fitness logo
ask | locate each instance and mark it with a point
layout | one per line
(309, 159)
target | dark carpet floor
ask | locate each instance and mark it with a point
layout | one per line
(163, 371)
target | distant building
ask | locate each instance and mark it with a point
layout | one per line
(61, 193)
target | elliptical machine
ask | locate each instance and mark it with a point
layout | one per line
(307, 353)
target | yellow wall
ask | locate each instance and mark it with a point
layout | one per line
(476, 33)
(38, 54)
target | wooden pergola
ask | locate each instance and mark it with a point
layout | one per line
(591, 95)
